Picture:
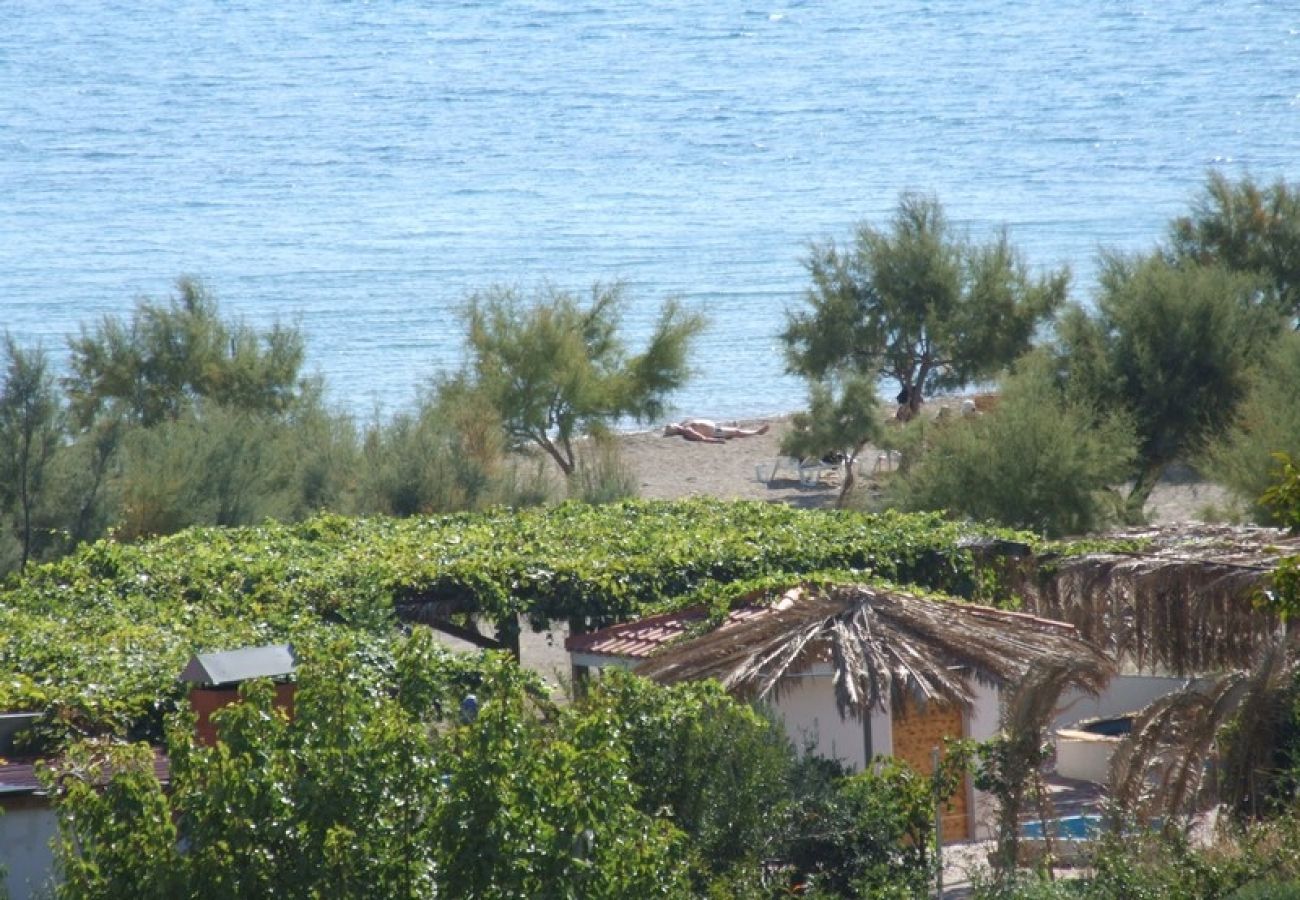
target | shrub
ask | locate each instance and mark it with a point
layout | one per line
(602, 476)
(1268, 423)
(1038, 461)
(715, 767)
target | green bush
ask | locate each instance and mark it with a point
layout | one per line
(1037, 462)
(371, 789)
(601, 475)
(1268, 890)
(1267, 423)
(729, 804)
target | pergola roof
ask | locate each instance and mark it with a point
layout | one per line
(1186, 601)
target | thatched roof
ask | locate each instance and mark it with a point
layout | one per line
(882, 645)
(1186, 602)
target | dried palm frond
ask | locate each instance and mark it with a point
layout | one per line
(1248, 759)
(882, 645)
(1186, 603)
(1160, 769)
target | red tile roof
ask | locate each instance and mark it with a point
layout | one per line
(638, 640)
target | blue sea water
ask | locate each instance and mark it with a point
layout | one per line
(360, 167)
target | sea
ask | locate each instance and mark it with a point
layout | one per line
(360, 168)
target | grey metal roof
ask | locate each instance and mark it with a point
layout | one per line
(234, 666)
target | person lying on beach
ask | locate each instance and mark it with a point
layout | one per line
(709, 431)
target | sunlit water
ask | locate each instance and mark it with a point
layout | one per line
(360, 167)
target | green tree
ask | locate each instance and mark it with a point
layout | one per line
(730, 804)
(1267, 423)
(555, 368)
(31, 432)
(371, 789)
(1246, 227)
(224, 468)
(168, 357)
(870, 834)
(1171, 346)
(1038, 461)
(917, 303)
(447, 455)
(841, 418)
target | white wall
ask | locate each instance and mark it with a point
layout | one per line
(25, 834)
(1124, 694)
(982, 722)
(807, 707)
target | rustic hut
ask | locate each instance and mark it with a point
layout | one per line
(856, 670)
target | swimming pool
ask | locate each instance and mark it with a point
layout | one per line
(1067, 827)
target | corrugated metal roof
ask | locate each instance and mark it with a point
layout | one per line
(234, 666)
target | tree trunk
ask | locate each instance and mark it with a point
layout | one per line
(1146, 481)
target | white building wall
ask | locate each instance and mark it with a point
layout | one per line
(1124, 694)
(25, 834)
(807, 707)
(982, 722)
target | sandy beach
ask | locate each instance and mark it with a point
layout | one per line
(669, 468)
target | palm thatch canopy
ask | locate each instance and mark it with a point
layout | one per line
(883, 645)
(1187, 602)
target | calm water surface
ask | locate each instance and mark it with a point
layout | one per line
(360, 167)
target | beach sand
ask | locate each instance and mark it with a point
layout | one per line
(669, 468)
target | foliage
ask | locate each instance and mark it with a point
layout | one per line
(1283, 497)
(1238, 862)
(1247, 227)
(446, 456)
(869, 834)
(30, 429)
(1268, 890)
(602, 476)
(1267, 423)
(1170, 346)
(530, 814)
(843, 424)
(730, 804)
(554, 368)
(917, 303)
(169, 357)
(1038, 461)
(367, 791)
(98, 637)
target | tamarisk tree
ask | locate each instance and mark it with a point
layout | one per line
(555, 368)
(917, 303)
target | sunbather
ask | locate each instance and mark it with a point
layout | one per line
(709, 431)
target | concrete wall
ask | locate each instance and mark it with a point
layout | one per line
(26, 827)
(1085, 756)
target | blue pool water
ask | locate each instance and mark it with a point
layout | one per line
(1069, 827)
(358, 167)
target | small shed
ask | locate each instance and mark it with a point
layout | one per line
(215, 679)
